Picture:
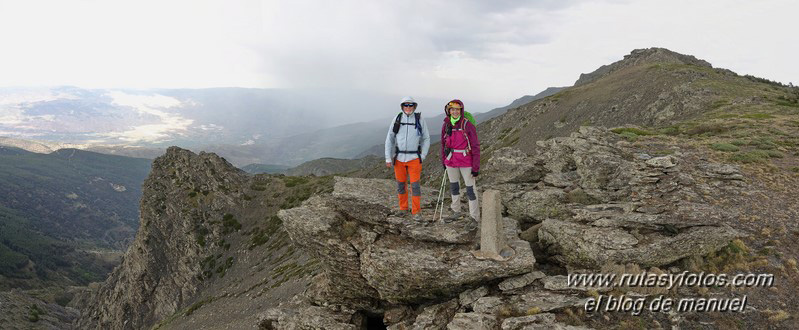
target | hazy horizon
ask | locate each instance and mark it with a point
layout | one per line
(489, 52)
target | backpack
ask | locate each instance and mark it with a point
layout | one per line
(468, 116)
(398, 123)
(396, 128)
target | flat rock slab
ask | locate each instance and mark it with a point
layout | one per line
(543, 321)
(591, 247)
(560, 283)
(436, 316)
(546, 301)
(520, 304)
(377, 191)
(519, 282)
(405, 271)
(472, 321)
(468, 297)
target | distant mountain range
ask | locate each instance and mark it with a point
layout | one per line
(246, 126)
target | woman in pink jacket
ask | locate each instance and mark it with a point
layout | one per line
(460, 155)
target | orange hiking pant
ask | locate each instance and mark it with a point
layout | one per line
(401, 171)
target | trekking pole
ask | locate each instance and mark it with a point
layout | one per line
(440, 195)
(441, 208)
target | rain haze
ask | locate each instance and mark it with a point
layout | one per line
(491, 52)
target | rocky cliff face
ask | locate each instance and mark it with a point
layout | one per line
(186, 200)
(209, 250)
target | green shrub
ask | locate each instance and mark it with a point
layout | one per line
(199, 235)
(63, 298)
(787, 103)
(230, 224)
(581, 197)
(671, 130)
(34, 312)
(630, 136)
(636, 131)
(750, 156)
(757, 116)
(763, 143)
(292, 181)
(738, 142)
(719, 103)
(726, 147)
(261, 236)
(707, 129)
(775, 154)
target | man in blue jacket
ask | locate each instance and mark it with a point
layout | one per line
(407, 144)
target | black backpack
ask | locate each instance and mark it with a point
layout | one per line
(398, 123)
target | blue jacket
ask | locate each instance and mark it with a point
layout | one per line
(407, 139)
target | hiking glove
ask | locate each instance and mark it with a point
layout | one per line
(474, 174)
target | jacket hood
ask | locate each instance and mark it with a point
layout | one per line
(446, 108)
(407, 99)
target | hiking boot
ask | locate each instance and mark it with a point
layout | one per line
(417, 217)
(453, 217)
(471, 224)
(400, 213)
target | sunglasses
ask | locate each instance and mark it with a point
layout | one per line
(409, 104)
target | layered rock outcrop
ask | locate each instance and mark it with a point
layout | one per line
(374, 257)
(598, 202)
(381, 267)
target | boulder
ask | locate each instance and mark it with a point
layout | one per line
(371, 256)
(543, 321)
(472, 321)
(299, 313)
(586, 246)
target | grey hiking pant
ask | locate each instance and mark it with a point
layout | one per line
(454, 174)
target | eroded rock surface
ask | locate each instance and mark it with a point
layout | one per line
(598, 202)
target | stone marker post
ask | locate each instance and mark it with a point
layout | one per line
(492, 232)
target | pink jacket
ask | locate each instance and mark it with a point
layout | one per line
(463, 142)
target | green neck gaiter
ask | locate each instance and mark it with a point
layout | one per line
(454, 120)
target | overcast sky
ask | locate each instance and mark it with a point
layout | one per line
(490, 51)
